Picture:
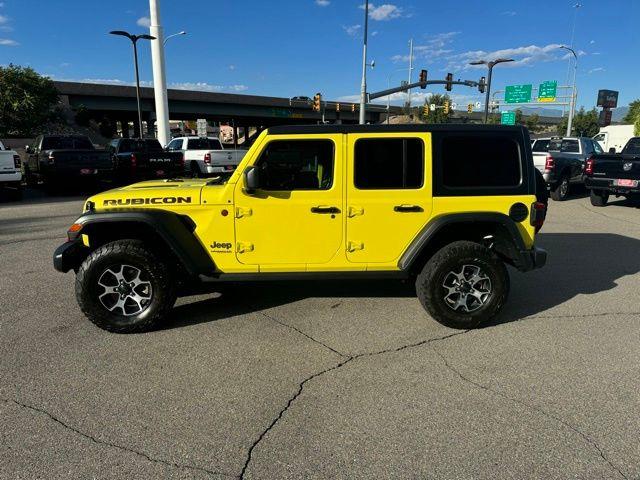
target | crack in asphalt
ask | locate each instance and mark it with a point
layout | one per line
(544, 413)
(608, 216)
(303, 334)
(113, 445)
(349, 358)
(583, 315)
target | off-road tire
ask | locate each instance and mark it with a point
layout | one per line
(195, 171)
(431, 291)
(559, 193)
(599, 198)
(133, 253)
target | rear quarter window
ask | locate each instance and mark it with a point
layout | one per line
(480, 163)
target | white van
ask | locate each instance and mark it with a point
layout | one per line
(614, 136)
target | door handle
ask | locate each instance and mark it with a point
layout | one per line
(408, 208)
(325, 210)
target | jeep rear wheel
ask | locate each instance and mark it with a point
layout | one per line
(463, 285)
(122, 287)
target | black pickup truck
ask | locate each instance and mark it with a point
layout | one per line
(65, 159)
(614, 173)
(143, 159)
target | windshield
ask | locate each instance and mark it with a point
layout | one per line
(203, 144)
(632, 147)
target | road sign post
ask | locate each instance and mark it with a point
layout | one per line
(508, 118)
(201, 124)
(547, 91)
(518, 94)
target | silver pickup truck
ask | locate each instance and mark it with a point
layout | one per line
(205, 156)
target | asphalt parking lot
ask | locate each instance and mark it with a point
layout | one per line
(336, 380)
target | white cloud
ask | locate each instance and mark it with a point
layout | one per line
(8, 42)
(523, 56)
(597, 69)
(143, 22)
(323, 3)
(509, 13)
(374, 33)
(232, 67)
(591, 42)
(352, 30)
(432, 49)
(4, 19)
(596, 53)
(65, 64)
(1, 4)
(384, 12)
(198, 86)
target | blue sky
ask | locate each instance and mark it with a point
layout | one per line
(300, 47)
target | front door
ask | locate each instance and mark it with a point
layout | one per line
(296, 217)
(388, 195)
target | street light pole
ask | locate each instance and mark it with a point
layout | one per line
(134, 40)
(490, 65)
(410, 71)
(173, 35)
(363, 85)
(159, 74)
(572, 104)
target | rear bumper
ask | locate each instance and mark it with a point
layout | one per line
(607, 184)
(10, 178)
(221, 168)
(531, 259)
(68, 256)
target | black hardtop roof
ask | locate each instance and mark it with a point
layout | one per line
(383, 128)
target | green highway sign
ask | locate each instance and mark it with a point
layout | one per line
(508, 118)
(547, 91)
(517, 94)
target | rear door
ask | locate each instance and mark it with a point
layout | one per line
(388, 195)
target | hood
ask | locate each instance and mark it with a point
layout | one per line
(154, 193)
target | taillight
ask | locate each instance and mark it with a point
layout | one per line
(538, 215)
(588, 169)
(16, 161)
(550, 163)
(207, 158)
(74, 231)
(52, 160)
(134, 160)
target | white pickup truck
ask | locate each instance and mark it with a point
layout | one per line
(205, 156)
(10, 172)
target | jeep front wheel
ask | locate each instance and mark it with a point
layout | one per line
(122, 287)
(463, 285)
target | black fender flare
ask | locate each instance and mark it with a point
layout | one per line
(517, 252)
(176, 231)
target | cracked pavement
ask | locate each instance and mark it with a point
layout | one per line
(338, 380)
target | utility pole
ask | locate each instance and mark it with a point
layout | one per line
(410, 70)
(159, 75)
(577, 6)
(363, 86)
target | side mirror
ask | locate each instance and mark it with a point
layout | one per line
(251, 179)
(612, 150)
(27, 149)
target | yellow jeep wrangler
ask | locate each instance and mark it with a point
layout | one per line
(446, 206)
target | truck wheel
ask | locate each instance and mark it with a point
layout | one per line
(599, 198)
(463, 285)
(195, 170)
(124, 288)
(561, 190)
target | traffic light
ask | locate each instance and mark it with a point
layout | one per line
(353, 107)
(423, 78)
(425, 110)
(446, 106)
(448, 85)
(470, 108)
(482, 85)
(317, 100)
(337, 107)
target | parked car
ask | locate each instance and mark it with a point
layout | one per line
(206, 156)
(565, 163)
(444, 206)
(140, 159)
(613, 138)
(617, 174)
(10, 172)
(59, 159)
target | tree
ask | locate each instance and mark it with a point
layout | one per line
(634, 112)
(533, 123)
(585, 124)
(437, 116)
(27, 100)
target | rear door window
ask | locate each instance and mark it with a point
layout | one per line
(632, 147)
(541, 146)
(388, 163)
(203, 144)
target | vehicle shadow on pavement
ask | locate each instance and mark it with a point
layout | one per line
(578, 263)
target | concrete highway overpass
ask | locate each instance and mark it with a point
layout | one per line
(118, 103)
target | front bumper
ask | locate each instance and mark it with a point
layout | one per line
(69, 255)
(531, 259)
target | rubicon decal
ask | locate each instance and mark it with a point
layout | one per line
(146, 201)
